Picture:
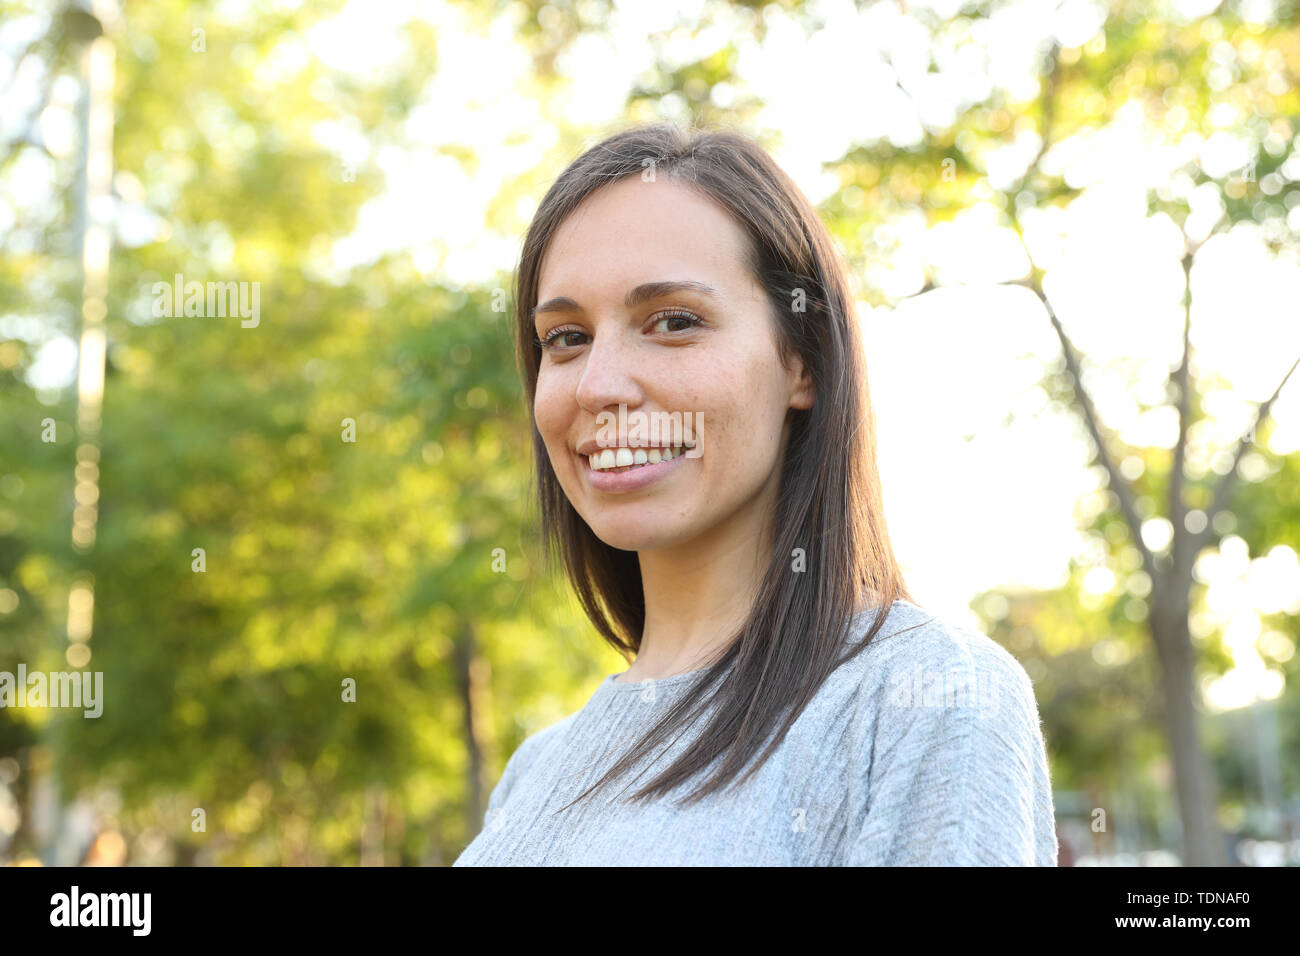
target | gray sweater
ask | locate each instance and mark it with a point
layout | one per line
(925, 749)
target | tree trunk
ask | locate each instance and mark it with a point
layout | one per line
(373, 835)
(1203, 843)
(472, 683)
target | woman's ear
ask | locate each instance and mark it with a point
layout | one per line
(802, 393)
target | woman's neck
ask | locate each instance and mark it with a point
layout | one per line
(697, 595)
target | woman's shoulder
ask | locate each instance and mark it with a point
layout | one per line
(525, 756)
(948, 724)
(919, 657)
(913, 634)
(537, 742)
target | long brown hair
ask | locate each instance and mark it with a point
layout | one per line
(829, 504)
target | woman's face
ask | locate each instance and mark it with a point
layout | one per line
(707, 353)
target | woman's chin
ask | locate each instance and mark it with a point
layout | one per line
(639, 536)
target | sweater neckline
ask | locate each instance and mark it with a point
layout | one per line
(673, 680)
(686, 677)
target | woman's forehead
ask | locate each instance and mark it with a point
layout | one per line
(634, 232)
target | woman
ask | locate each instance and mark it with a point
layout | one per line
(787, 703)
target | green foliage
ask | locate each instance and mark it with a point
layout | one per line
(328, 559)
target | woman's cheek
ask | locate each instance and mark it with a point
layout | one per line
(547, 411)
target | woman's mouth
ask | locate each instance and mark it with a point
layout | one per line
(625, 469)
(619, 460)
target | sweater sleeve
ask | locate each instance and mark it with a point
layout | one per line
(958, 775)
(502, 789)
(516, 767)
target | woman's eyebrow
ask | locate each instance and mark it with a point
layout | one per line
(642, 293)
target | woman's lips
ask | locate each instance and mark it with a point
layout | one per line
(633, 478)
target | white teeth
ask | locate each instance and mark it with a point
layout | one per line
(625, 457)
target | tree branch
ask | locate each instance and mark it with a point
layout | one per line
(1127, 503)
(1223, 490)
(1048, 108)
(1182, 552)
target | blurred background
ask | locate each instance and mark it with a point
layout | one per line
(297, 541)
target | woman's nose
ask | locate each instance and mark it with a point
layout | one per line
(609, 375)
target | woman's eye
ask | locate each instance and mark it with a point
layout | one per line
(556, 339)
(685, 321)
(561, 340)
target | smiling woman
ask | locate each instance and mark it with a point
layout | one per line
(746, 572)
